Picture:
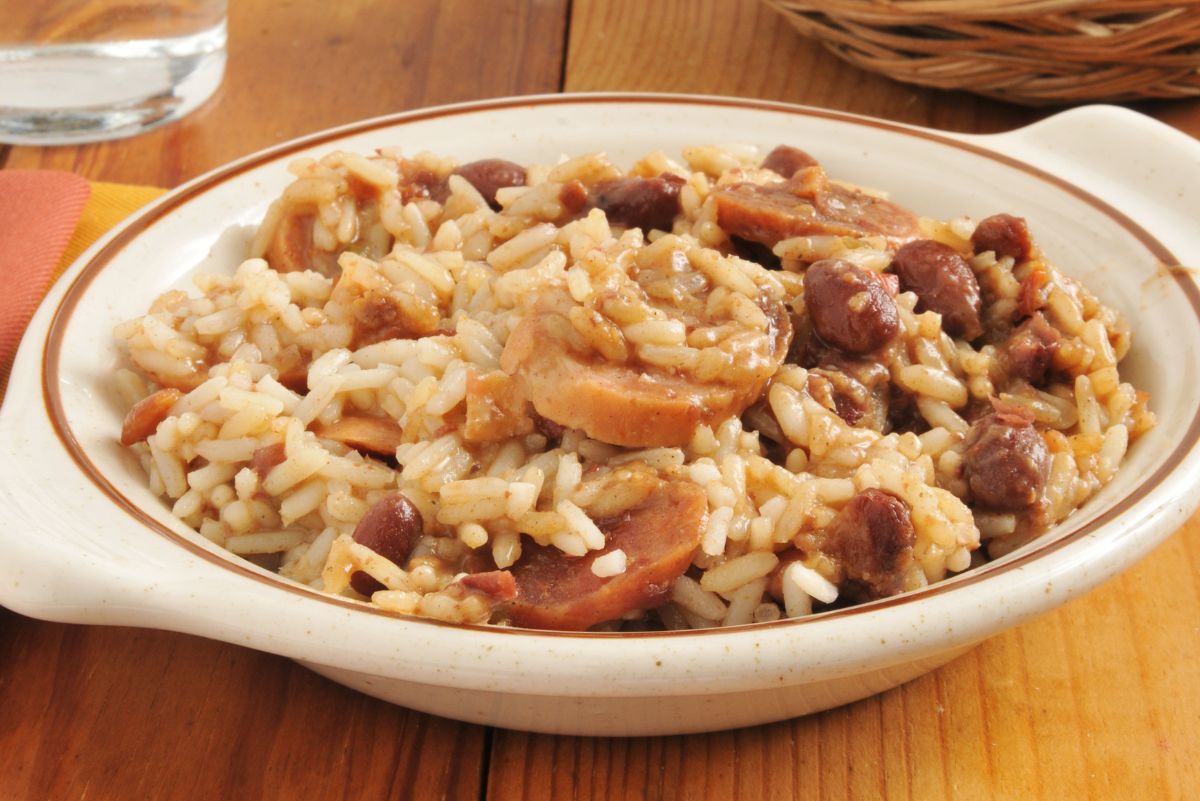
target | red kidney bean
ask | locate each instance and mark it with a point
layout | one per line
(644, 203)
(944, 283)
(872, 537)
(490, 175)
(1005, 235)
(1029, 352)
(1006, 462)
(849, 307)
(786, 160)
(391, 529)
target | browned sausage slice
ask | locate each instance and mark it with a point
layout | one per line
(622, 404)
(291, 247)
(496, 407)
(556, 591)
(808, 204)
(378, 435)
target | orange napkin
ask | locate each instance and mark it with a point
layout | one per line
(47, 219)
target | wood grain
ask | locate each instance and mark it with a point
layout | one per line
(125, 713)
(742, 47)
(1098, 699)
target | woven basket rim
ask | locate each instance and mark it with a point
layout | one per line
(911, 12)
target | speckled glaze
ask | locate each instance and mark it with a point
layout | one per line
(1110, 195)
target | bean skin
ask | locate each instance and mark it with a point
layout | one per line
(391, 529)
(786, 160)
(872, 537)
(1029, 352)
(1005, 235)
(944, 283)
(266, 458)
(644, 203)
(490, 175)
(849, 307)
(1006, 462)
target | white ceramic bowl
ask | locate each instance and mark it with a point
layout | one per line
(1111, 196)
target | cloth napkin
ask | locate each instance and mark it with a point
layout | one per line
(47, 219)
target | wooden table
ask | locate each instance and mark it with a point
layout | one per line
(1100, 699)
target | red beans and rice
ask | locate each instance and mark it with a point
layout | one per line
(557, 397)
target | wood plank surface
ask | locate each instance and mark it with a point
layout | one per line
(1099, 699)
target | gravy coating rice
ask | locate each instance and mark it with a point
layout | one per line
(713, 392)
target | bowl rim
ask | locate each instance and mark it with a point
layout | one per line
(130, 229)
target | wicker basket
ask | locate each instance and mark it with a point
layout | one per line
(1028, 51)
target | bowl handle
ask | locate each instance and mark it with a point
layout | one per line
(1141, 167)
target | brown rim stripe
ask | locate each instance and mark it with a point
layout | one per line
(136, 225)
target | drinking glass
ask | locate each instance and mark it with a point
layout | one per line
(85, 70)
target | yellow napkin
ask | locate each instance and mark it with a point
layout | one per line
(106, 206)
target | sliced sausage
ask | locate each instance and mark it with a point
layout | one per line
(943, 283)
(659, 537)
(805, 205)
(390, 528)
(376, 435)
(491, 175)
(1006, 462)
(872, 538)
(646, 203)
(786, 160)
(1005, 235)
(146, 414)
(633, 405)
(1029, 352)
(849, 306)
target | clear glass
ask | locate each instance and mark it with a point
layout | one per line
(76, 71)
